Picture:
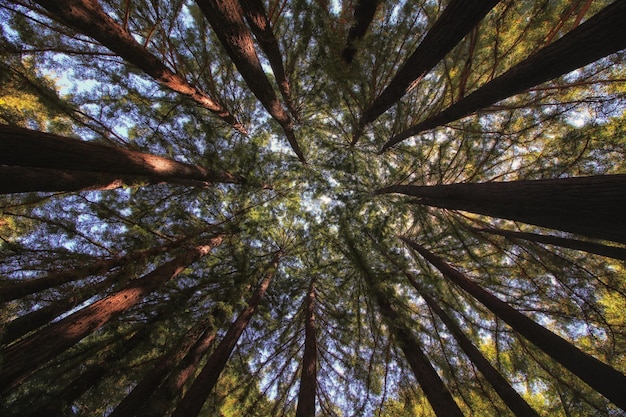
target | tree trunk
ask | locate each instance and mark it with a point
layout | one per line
(27, 355)
(103, 164)
(88, 18)
(194, 399)
(502, 387)
(262, 30)
(598, 375)
(308, 376)
(614, 252)
(591, 206)
(364, 12)
(601, 35)
(142, 392)
(456, 21)
(226, 18)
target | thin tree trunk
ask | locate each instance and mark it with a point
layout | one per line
(502, 387)
(598, 375)
(456, 21)
(88, 18)
(262, 29)
(144, 389)
(308, 376)
(614, 252)
(226, 18)
(194, 399)
(364, 12)
(436, 392)
(27, 355)
(601, 35)
(591, 206)
(30, 148)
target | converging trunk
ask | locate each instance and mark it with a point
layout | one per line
(308, 376)
(88, 17)
(194, 399)
(226, 18)
(364, 12)
(601, 35)
(598, 375)
(591, 206)
(27, 355)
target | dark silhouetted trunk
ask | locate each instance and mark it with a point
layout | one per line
(29, 148)
(226, 18)
(591, 206)
(456, 21)
(614, 252)
(144, 389)
(88, 18)
(194, 399)
(364, 12)
(308, 375)
(262, 29)
(598, 375)
(508, 394)
(601, 35)
(27, 355)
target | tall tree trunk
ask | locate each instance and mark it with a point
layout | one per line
(364, 12)
(262, 30)
(144, 389)
(614, 252)
(502, 387)
(171, 390)
(27, 355)
(30, 148)
(308, 376)
(591, 206)
(436, 392)
(194, 399)
(598, 375)
(226, 18)
(601, 35)
(88, 18)
(456, 21)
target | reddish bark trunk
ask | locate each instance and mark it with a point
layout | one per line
(502, 387)
(194, 399)
(592, 206)
(27, 355)
(614, 252)
(598, 375)
(456, 21)
(88, 18)
(308, 376)
(226, 18)
(601, 35)
(262, 29)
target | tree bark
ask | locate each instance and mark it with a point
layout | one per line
(144, 389)
(262, 30)
(27, 355)
(29, 148)
(87, 17)
(226, 19)
(598, 375)
(502, 387)
(591, 206)
(364, 12)
(601, 35)
(456, 21)
(308, 376)
(614, 252)
(194, 399)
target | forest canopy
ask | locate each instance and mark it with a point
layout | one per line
(312, 208)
